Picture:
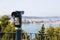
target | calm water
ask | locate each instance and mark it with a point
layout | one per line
(34, 28)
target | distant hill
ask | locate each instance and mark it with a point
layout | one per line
(31, 17)
(35, 17)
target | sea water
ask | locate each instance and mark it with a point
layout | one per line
(34, 28)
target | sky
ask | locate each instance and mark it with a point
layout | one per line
(41, 8)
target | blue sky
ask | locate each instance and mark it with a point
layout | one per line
(41, 8)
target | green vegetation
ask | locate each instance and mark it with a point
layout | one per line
(40, 35)
(49, 33)
(54, 32)
(7, 27)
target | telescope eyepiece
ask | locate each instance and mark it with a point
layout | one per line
(17, 13)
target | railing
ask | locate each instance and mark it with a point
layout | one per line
(7, 36)
(29, 36)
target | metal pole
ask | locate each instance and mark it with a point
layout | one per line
(18, 34)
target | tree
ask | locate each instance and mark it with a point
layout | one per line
(40, 35)
(57, 32)
(50, 32)
(42, 30)
(8, 29)
(6, 26)
(4, 22)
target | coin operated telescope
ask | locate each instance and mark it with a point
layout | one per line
(17, 16)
